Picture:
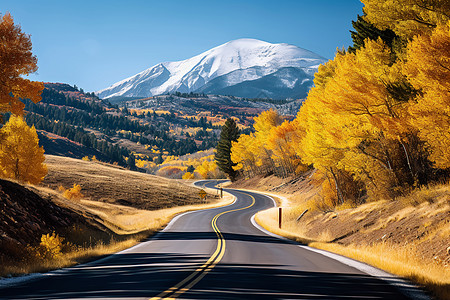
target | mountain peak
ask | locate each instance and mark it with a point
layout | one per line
(235, 62)
(246, 42)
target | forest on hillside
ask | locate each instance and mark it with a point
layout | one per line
(97, 124)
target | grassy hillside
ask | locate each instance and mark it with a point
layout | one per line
(408, 236)
(116, 185)
(116, 209)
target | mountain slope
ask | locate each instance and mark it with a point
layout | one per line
(228, 65)
(287, 82)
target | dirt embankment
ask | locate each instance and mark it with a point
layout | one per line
(408, 236)
(26, 216)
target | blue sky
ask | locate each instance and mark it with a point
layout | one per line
(96, 43)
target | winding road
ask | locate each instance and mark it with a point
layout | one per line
(210, 254)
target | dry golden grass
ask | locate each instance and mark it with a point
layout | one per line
(67, 259)
(407, 237)
(105, 183)
(269, 220)
(402, 261)
(128, 220)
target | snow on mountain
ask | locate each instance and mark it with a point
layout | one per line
(224, 67)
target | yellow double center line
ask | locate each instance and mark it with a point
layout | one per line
(187, 283)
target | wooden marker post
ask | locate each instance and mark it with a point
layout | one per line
(280, 216)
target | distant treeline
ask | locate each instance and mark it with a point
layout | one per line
(68, 117)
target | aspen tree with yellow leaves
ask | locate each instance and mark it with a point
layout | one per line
(250, 152)
(428, 69)
(281, 141)
(208, 169)
(407, 18)
(21, 158)
(264, 123)
(270, 149)
(244, 156)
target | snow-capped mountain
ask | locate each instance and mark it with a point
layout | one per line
(244, 67)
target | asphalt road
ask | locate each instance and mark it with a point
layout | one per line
(210, 254)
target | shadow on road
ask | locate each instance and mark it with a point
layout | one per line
(125, 275)
(247, 281)
(143, 275)
(189, 236)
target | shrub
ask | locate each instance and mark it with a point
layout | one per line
(73, 193)
(188, 175)
(51, 245)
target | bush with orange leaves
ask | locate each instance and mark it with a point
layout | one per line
(73, 193)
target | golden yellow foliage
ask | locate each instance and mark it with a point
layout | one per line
(51, 245)
(169, 158)
(325, 73)
(21, 158)
(272, 148)
(355, 125)
(407, 18)
(282, 141)
(188, 175)
(428, 69)
(242, 153)
(73, 193)
(315, 120)
(208, 169)
(266, 121)
(358, 94)
(145, 164)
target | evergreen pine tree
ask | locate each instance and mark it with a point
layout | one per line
(230, 133)
(190, 169)
(131, 162)
(365, 30)
(401, 90)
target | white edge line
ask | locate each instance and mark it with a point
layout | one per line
(9, 282)
(405, 287)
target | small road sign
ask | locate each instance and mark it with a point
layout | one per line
(202, 194)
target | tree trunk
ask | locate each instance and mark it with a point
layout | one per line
(338, 190)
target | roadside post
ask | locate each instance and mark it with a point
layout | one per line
(202, 195)
(280, 215)
(221, 192)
